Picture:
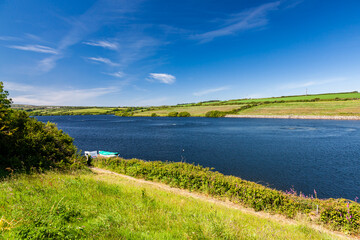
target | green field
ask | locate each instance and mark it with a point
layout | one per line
(63, 110)
(319, 104)
(195, 111)
(84, 205)
(321, 108)
(330, 96)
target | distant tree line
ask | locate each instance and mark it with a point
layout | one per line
(179, 114)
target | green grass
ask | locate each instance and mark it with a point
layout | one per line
(325, 105)
(195, 111)
(72, 111)
(329, 96)
(90, 206)
(321, 108)
(338, 214)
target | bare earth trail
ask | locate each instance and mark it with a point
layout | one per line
(202, 197)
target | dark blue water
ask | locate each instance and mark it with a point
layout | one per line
(280, 153)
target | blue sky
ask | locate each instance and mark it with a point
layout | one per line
(155, 52)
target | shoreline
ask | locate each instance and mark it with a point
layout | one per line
(296, 117)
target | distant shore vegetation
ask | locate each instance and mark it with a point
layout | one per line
(332, 104)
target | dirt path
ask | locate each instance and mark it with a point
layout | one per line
(203, 197)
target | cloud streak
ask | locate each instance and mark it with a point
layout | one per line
(118, 74)
(35, 95)
(101, 13)
(103, 60)
(212, 90)
(249, 19)
(150, 102)
(9, 38)
(36, 48)
(311, 83)
(162, 78)
(103, 44)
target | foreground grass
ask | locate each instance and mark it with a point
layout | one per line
(322, 108)
(337, 214)
(90, 206)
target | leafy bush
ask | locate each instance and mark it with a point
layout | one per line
(173, 114)
(215, 114)
(338, 213)
(184, 114)
(154, 115)
(26, 143)
(125, 114)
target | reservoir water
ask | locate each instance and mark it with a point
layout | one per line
(279, 153)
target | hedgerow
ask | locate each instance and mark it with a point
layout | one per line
(339, 214)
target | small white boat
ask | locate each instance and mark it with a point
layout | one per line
(95, 154)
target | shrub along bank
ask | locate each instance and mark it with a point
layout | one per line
(27, 144)
(338, 214)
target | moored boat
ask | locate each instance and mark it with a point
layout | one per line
(95, 154)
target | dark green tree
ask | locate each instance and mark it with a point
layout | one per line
(184, 114)
(26, 143)
(173, 114)
(215, 114)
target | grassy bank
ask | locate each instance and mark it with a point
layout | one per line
(328, 96)
(320, 108)
(195, 111)
(64, 110)
(338, 214)
(84, 205)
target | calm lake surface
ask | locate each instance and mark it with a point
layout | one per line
(280, 153)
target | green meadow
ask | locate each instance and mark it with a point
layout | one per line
(63, 110)
(343, 104)
(319, 108)
(195, 111)
(329, 96)
(84, 205)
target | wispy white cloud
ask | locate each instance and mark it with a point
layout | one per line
(103, 60)
(118, 74)
(150, 102)
(249, 19)
(291, 3)
(102, 12)
(39, 95)
(310, 83)
(12, 86)
(9, 38)
(211, 90)
(33, 37)
(103, 44)
(162, 77)
(36, 48)
(135, 46)
(48, 63)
